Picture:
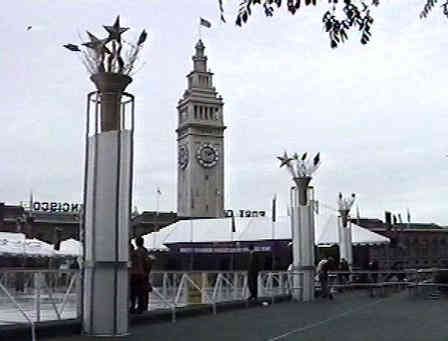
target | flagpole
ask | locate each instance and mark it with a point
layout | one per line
(192, 246)
(408, 216)
(357, 215)
(156, 228)
(274, 203)
(199, 29)
(231, 248)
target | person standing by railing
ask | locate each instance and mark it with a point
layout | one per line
(373, 267)
(323, 267)
(252, 273)
(140, 263)
(343, 266)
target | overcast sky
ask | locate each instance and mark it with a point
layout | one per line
(377, 113)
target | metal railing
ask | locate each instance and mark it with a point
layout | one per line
(279, 283)
(386, 280)
(30, 296)
(40, 295)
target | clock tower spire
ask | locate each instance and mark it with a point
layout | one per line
(200, 142)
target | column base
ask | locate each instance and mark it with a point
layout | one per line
(106, 299)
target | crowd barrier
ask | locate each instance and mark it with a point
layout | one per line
(30, 296)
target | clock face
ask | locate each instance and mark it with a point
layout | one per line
(183, 157)
(207, 155)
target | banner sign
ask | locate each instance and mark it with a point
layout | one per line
(56, 207)
(244, 213)
(223, 249)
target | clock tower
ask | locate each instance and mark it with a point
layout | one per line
(200, 144)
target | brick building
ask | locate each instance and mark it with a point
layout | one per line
(413, 245)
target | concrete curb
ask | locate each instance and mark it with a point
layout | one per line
(49, 329)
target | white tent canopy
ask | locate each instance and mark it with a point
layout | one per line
(70, 247)
(17, 244)
(253, 229)
(327, 233)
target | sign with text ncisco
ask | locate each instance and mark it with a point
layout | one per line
(46, 206)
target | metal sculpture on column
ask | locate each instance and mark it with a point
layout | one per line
(345, 228)
(302, 222)
(108, 181)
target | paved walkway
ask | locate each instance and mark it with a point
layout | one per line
(349, 317)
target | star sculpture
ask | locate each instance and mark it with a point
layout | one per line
(99, 45)
(115, 31)
(104, 55)
(301, 167)
(284, 160)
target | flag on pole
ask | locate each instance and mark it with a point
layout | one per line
(205, 23)
(31, 203)
(233, 223)
(274, 202)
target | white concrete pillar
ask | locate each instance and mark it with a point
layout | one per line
(107, 206)
(107, 213)
(302, 225)
(345, 241)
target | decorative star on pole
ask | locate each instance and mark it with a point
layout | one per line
(285, 159)
(301, 167)
(115, 31)
(99, 45)
(105, 55)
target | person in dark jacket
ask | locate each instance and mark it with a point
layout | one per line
(343, 266)
(252, 273)
(140, 267)
(373, 266)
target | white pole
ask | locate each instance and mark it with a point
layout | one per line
(192, 246)
(156, 220)
(345, 242)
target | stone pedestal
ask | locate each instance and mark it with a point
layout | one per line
(110, 85)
